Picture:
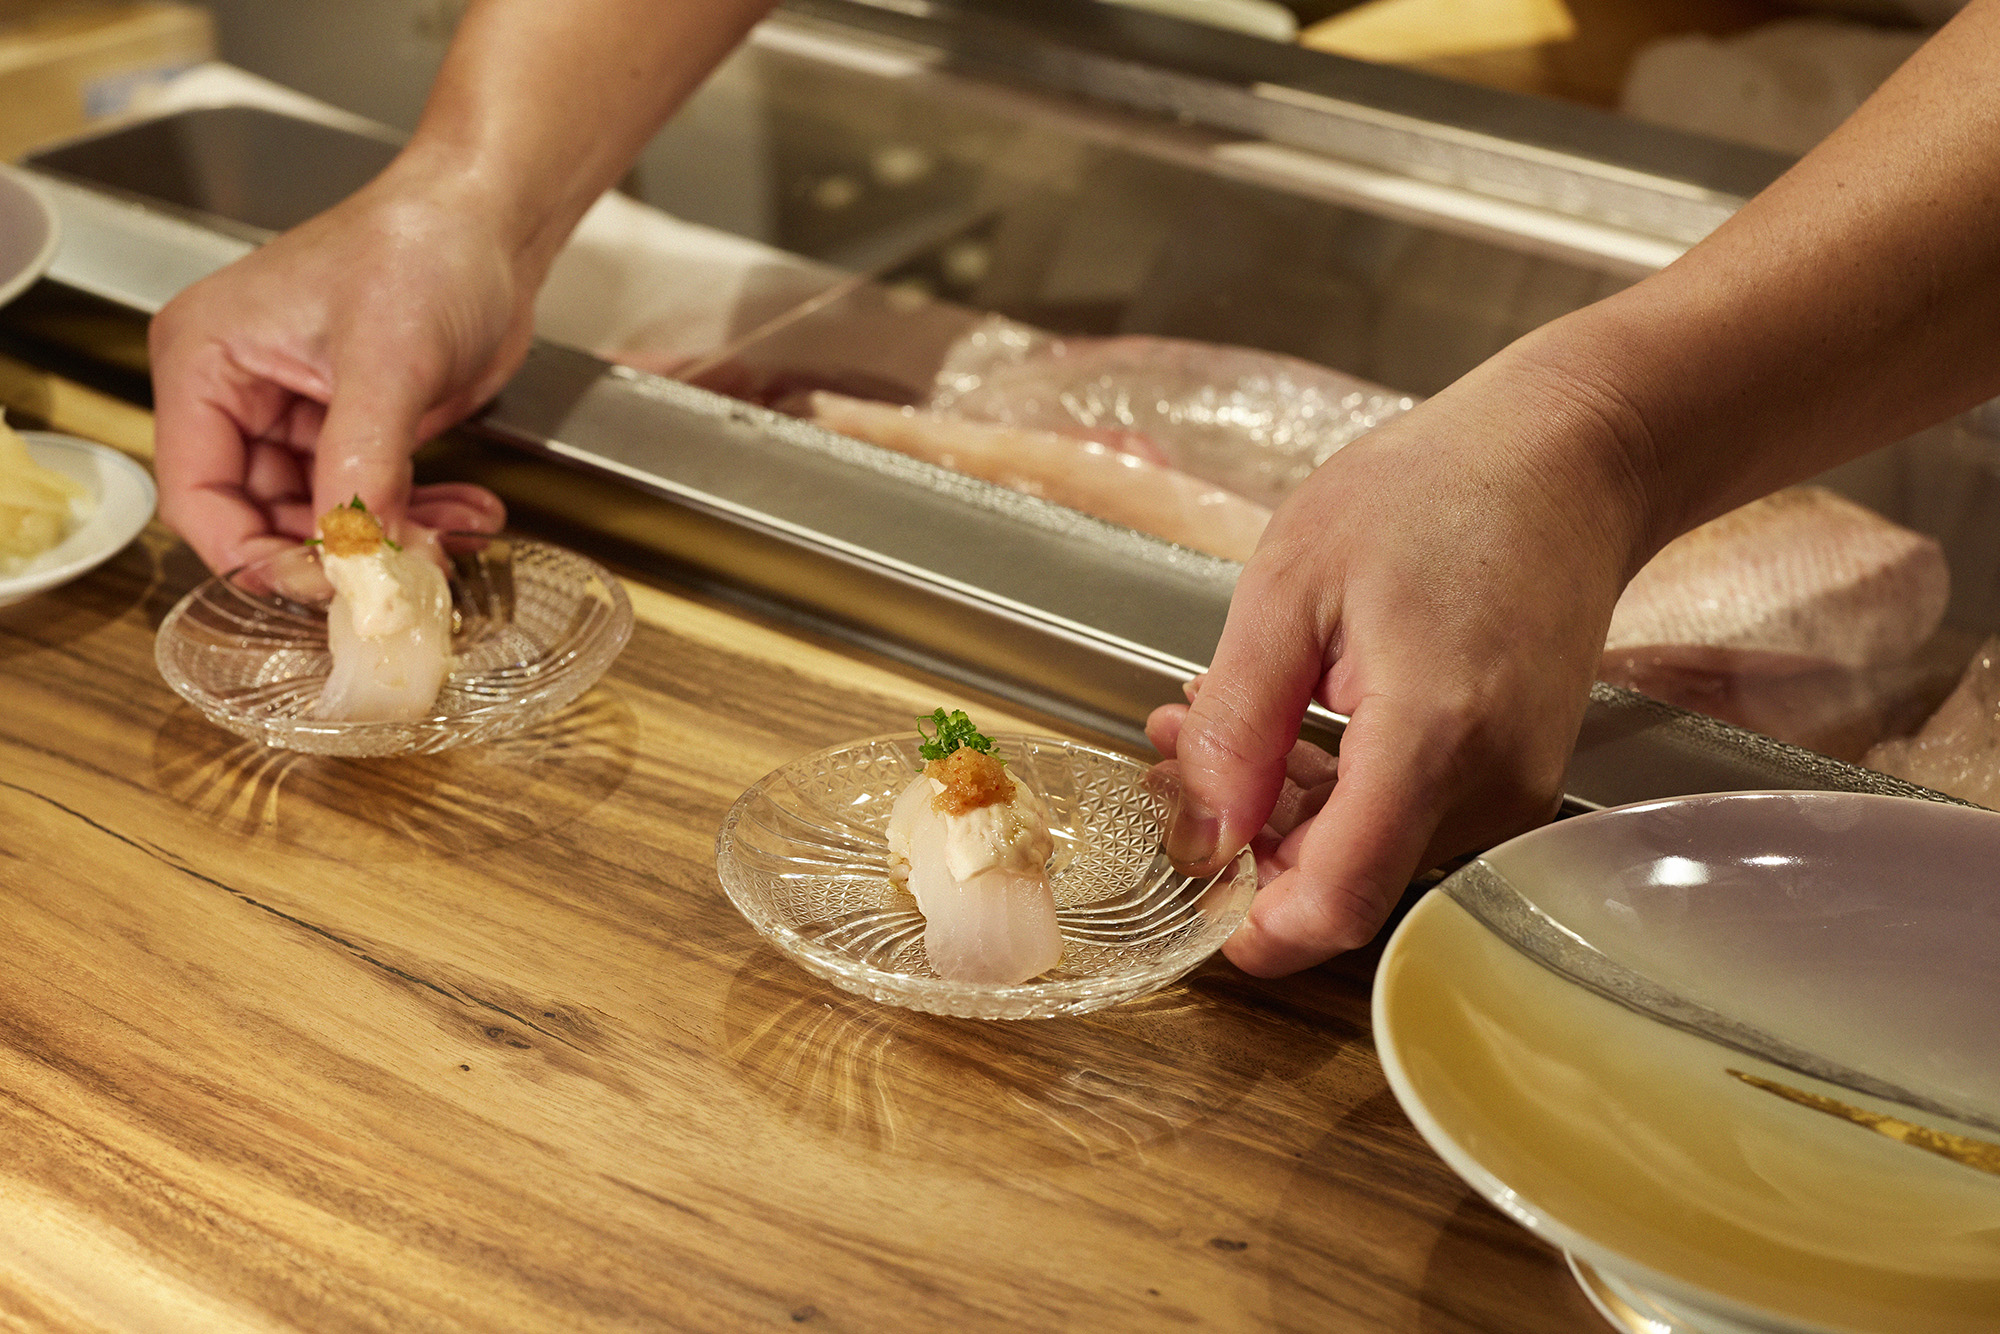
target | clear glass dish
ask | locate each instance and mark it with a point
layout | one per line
(533, 627)
(804, 857)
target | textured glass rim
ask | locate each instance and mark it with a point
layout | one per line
(438, 731)
(1030, 999)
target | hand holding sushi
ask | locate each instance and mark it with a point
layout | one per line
(311, 369)
(1447, 580)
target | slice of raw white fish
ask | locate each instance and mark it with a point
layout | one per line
(389, 632)
(998, 925)
(1801, 580)
(1256, 423)
(1082, 474)
(1958, 750)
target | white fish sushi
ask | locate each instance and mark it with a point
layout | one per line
(972, 846)
(388, 627)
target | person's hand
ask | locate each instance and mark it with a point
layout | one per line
(1446, 583)
(309, 371)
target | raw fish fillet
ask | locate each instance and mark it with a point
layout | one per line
(998, 925)
(1254, 422)
(1081, 474)
(1802, 580)
(1958, 750)
(1836, 711)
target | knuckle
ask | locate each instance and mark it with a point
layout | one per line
(1220, 733)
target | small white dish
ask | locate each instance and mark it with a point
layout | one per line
(29, 236)
(1696, 1187)
(119, 500)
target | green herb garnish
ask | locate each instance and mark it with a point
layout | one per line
(355, 504)
(315, 541)
(948, 732)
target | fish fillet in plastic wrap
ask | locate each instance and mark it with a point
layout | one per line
(1082, 474)
(1803, 616)
(1254, 422)
(1958, 750)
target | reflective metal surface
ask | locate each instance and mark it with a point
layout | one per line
(1089, 219)
(1563, 157)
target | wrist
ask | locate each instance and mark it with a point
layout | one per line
(1581, 435)
(437, 184)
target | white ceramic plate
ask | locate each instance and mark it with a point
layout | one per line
(120, 500)
(1698, 1201)
(28, 235)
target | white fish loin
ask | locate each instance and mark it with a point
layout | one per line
(392, 676)
(1801, 580)
(998, 926)
(1082, 474)
(1256, 423)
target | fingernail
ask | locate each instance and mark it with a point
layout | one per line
(1193, 837)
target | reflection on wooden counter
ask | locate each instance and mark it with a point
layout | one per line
(474, 1041)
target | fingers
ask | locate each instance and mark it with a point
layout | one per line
(457, 507)
(206, 421)
(382, 390)
(1356, 856)
(1235, 737)
(1163, 728)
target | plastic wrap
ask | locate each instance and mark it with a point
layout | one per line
(1255, 423)
(1958, 750)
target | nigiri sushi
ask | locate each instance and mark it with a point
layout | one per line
(388, 627)
(972, 845)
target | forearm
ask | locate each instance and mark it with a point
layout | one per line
(1855, 301)
(540, 107)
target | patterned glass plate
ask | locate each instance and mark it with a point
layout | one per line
(804, 856)
(533, 627)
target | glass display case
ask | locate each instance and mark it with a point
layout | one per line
(906, 186)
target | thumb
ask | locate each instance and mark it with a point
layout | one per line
(1245, 719)
(370, 432)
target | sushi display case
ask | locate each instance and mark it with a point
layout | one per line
(1176, 249)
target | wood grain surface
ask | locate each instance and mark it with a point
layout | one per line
(475, 1042)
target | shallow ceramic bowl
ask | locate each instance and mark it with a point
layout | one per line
(118, 501)
(534, 626)
(29, 235)
(1692, 1127)
(804, 856)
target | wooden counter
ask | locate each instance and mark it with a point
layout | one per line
(475, 1042)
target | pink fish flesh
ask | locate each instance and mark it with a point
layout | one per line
(1802, 580)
